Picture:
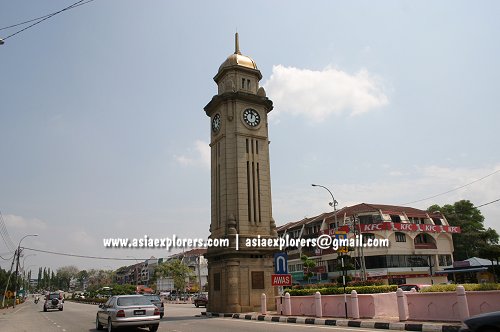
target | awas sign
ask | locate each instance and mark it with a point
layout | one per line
(281, 279)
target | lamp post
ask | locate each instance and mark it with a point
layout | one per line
(17, 265)
(333, 204)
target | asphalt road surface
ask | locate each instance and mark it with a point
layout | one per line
(77, 317)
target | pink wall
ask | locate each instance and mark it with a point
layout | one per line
(444, 306)
(421, 306)
(481, 302)
(432, 306)
(370, 305)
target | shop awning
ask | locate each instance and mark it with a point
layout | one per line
(475, 269)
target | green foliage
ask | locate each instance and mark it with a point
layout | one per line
(467, 287)
(308, 264)
(176, 270)
(123, 289)
(340, 290)
(474, 238)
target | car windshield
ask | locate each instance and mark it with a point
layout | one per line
(53, 296)
(132, 300)
(153, 298)
(408, 287)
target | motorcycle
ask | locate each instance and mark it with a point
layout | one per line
(36, 300)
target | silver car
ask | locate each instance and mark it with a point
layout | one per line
(128, 311)
(155, 299)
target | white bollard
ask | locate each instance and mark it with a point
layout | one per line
(263, 304)
(317, 304)
(354, 305)
(288, 305)
(463, 306)
(403, 315)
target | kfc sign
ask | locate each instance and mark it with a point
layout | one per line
(403, 227)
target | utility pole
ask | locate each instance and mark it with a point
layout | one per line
(15, 276)
(8, 279)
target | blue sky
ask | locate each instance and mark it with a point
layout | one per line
(104, 134)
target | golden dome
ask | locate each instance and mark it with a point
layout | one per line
(240, 60)
(237, 59)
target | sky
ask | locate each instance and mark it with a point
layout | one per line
(103, 132)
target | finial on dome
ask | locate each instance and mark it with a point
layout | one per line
(236, 44)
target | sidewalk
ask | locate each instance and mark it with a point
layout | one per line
(383, 323)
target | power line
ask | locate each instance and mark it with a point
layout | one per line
(82, 256)
(5, 234)
(451, 190)
(46, 17)
(496, 200)
(7, 259)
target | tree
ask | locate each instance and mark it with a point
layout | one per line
(65, 274)
(473, 237)
(309, 265)
(176, 270)
(82, 276)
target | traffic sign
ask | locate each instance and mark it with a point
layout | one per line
(281, 263)
(281, 279)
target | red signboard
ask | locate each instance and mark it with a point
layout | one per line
(281, 279)
(403, 227)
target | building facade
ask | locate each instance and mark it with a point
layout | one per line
(420, 245)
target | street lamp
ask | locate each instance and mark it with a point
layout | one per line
(333, 204)
(17, 266)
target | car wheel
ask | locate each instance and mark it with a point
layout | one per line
(44, 309)
(153, 328)
(196, 305)
(110, 325)
(61, 309)
(98, 325)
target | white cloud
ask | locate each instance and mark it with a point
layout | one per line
(18, 222)
(199, 156)
(319, 94)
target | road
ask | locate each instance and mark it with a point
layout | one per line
(77, 317)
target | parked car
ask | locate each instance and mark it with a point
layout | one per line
(489, 322)
(201, 300)
(156, 300)
(53, 300)
(408, 287)
(128, 311)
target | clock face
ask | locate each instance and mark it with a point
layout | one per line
(216, 121)
(251, 117)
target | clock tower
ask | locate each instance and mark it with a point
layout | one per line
(241, 208)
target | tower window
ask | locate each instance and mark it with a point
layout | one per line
(242, 83)
(257, 147)
(248, 84)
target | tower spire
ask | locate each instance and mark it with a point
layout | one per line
(236, 44)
